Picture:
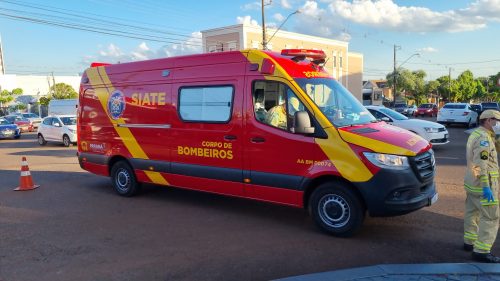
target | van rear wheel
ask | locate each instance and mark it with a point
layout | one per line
(124, 180)
(337, 209)
(41, 140)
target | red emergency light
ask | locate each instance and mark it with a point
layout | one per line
(96, 64)
(313, 54)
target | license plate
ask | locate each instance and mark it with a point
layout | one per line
(434, 198)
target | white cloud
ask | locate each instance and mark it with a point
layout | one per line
(251, 6)
(278, 17)
(285, 4)
(246, 20)
(113, 54)
(427, 50)
(386, 14)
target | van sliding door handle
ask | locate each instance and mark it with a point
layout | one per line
(229, 137)
(257, 139)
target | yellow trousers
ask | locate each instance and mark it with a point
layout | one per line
(481, 221)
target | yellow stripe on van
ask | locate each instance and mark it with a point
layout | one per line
(376, 145)
(103, 88)
(338, 151)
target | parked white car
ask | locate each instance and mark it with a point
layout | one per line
(58, 129)
(457, 113)
(433, 132)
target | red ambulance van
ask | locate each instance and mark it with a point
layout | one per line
(255, 124)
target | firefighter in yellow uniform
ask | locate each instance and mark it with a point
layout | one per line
(481, 185)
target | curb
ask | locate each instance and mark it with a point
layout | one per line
(394, 270)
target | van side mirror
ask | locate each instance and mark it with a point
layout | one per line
(302, 123)
(57, 125)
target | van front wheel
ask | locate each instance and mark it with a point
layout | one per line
(337, 209)
(124, 180)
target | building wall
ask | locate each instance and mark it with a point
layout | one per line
(355, 74)
(36, 85)
(344, 66)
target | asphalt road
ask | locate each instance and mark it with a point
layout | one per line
(74, 227)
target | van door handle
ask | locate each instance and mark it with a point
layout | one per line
(229, 137)
(257, 140)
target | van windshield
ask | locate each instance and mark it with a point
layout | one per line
(335, 101)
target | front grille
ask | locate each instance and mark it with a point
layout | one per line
(423, 165)
(439, 140)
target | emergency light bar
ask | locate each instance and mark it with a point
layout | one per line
(96, 64)
(314, 54)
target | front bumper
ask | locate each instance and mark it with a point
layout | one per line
(398, 192)
(439, 138)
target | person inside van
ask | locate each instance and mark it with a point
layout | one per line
(277, 116)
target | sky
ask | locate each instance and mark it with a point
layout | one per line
(40, 37)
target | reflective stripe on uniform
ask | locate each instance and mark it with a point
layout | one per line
(470, 236)
(482, 246)
(484, 179)
(494, 174)
(485, 202)
(474, 189)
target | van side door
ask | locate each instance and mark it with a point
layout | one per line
(277, 160)
(207, 136)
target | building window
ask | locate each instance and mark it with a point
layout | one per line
(231, 46)
(340, 61)
(206, 104)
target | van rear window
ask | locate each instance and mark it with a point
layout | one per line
(206, 104)
(454, 106)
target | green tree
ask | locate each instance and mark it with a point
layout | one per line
(432, 87)
(409, 82)
(444, 88)
(8, 96)
(63, 91)
(45, 101)
(465, 86)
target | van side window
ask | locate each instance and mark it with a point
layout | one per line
(47, 121)
(275, 104)
(206, 104)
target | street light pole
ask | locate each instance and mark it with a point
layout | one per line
(278, 29)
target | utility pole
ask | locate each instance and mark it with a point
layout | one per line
(394, 78)
(264, 43)
(449, 84)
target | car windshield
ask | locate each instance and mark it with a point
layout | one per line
(454, 106)
(400, 105)
(393, 114)
(425, 105)
(4, 122)
(68, 120)
(335, 101)
(29, 115)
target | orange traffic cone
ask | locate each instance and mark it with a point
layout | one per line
(26, 182)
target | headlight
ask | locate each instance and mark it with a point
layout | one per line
(387, 160)
(431, 130)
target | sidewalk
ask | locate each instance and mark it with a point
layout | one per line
(406, 272)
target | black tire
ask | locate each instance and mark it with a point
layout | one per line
(337, 209)
(66, 141)
(41, 140)
(124, 180)
(469, 125)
